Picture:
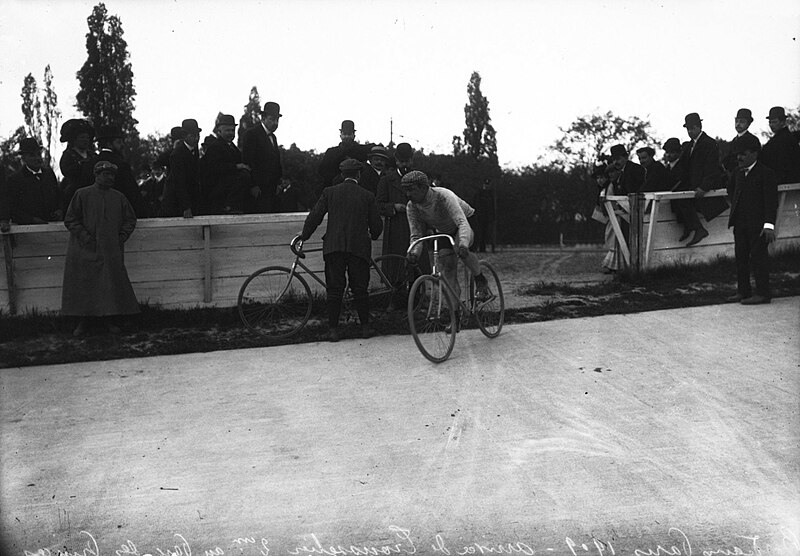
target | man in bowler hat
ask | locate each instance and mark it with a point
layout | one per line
(347, 148)
(702, 172)
(781, 153)
(742, 121)
(754, 205)
(224, 177)
(182, 190)
(353, 223)
(260, 151)
(31, 195)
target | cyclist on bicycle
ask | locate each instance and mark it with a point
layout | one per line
(447, 213)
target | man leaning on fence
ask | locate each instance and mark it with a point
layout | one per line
(353, 223)
(754, 205)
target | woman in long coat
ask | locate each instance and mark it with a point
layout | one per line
(96, 285)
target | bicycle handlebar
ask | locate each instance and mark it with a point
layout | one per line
(426, 238)
(297, 246)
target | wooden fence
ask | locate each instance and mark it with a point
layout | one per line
(654, 231)
(202, 261)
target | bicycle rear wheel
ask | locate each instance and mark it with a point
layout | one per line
(433, 321)
(275, 302)
(490, 313)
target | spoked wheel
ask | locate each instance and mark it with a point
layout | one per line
(400, 275)
(274, 302)
(490, 313)
(433, 321)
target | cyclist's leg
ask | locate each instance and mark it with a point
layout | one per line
(449, 263)
(474, 265)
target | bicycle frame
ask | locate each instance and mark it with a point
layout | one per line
(466, 310)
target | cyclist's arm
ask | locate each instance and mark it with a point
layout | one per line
(417, 226)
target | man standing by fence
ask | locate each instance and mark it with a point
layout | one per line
(754, 206)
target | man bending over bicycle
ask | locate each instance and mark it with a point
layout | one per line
(447, 213)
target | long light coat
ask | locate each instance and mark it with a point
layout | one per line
(96, 282)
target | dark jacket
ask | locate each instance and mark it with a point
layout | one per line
(754, 197)
(30, 199)
(702, 170)
(631, 179)
(369, 179)
(77, 171)
(182, 190)
(124, 182)
(264, 159)
(782, 154)
(657, 178)
(353, 221)
(729, 161)
(329, 165)
(219, 175)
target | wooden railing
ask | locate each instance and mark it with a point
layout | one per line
(172, 262)
(653, 230)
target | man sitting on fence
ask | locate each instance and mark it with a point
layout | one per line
(352, 220)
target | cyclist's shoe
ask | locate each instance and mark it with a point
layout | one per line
(482, 292)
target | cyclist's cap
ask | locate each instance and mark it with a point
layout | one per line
(413, 178)
(350, 164)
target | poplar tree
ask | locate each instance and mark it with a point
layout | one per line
(51, 113)
(106, 79)
(252, 114)
(479, 135)
(31, 107)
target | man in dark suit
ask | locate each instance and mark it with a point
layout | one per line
(781, 153)
(260, 151)
(632, 175)
(224, 177)
(377, 161)
(347, 148)
(702, 173)
(744, 117)
(754, 206)
(32, 195)
(182, 190)
(112, 142)
(353, 221)
(656, 176)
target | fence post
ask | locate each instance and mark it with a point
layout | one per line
(8, 256)
(636, 244)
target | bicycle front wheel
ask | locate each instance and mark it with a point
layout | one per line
(489, 313)
(433, 320)
(275, 302)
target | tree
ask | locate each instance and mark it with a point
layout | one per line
(479, 135)
(9, 161)
(31, 107)
(588, 138)
(252, 114)
(106, 79)
(50, 111)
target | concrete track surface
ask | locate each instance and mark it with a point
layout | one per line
(663, 433)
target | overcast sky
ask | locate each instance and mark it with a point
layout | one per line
(543, 63)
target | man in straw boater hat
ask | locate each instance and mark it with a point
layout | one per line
(353, 223)
(96, 287)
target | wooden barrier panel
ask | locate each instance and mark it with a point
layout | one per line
(655, 242)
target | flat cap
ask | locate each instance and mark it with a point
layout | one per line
(413, 178)
(350, 164)
(649, 150)
(105, 166)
